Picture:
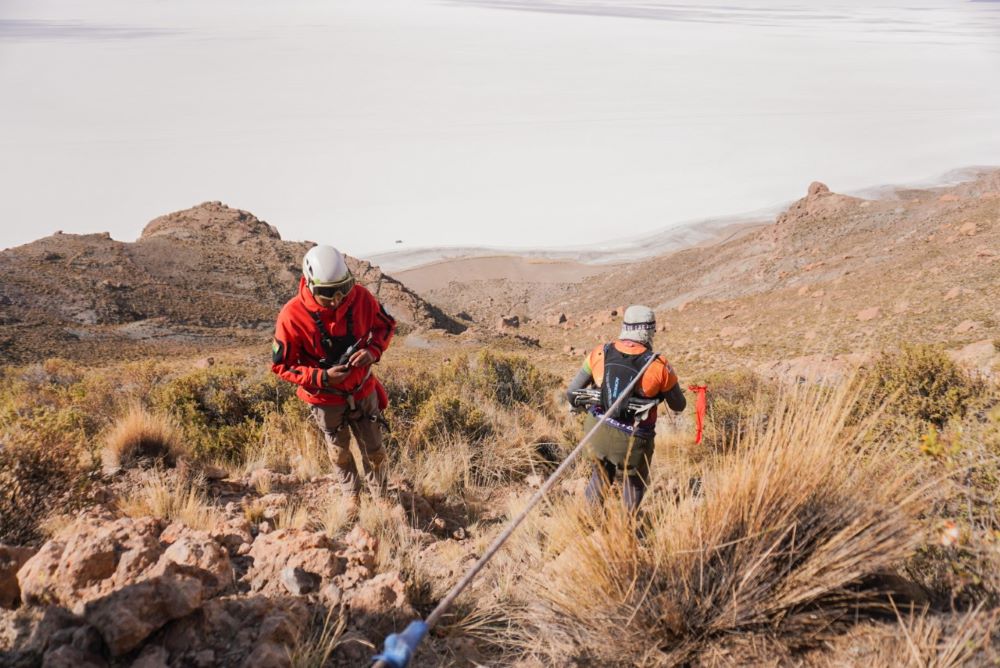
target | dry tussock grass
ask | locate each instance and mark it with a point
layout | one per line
(170, 498)
(141, 435)
(785, 528)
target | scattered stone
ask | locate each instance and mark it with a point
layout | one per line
(741, 343)
(233, 533)
(557, 319)
(152, 656)
(869, 314)
(966, 326)
(67, 656)
(508, 322)
(954, 292)
(968, 229)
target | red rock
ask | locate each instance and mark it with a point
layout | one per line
(127, 616)
(68, 656)
(312, 551)
(232, 533)
(200, 550)
(816, 188)
(90, 558)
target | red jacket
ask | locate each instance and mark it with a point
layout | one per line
(297, 348)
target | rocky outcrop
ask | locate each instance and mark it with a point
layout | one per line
(127, 616)
(818, 203)
(311, 551)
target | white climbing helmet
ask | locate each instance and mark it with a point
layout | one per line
(326, 272)
(638, 324)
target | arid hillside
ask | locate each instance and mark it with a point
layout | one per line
(195, 280)
(831, 280)
(157, 510)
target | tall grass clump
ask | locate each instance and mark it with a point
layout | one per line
(780, 541)
(140, 435)
(170, 497)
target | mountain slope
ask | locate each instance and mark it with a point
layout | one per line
(199, 278)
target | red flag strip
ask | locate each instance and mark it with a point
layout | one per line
(699, 408)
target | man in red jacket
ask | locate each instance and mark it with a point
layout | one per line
(325, 341)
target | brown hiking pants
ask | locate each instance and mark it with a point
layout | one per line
(337, 424)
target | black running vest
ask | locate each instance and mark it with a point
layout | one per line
(620, 370)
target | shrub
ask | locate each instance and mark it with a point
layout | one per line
(222, 409)
(35, 481)
(920, 382)
(509, 380)
(171, 497)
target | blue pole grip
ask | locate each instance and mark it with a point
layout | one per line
(399, 647)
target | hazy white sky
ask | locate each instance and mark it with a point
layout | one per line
(477, 122)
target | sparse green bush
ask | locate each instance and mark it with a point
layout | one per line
(509, 380)
(445, 414)
(920, 382)
(222, 409)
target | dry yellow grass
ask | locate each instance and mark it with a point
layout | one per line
(784, 529)
(170, 498)
(141, 434)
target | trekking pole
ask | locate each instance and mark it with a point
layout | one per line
(400, 647)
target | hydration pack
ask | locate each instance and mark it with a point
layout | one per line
(620, 369)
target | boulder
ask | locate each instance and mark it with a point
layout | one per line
(127, 616)
(11, 560)
(200, 550)
(380, 605)
(89, 559)
(312, 551)
(233, 533)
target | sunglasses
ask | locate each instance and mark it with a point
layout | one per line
(336, 290)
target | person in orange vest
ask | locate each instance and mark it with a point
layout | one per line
(624, 442)
(326, 340)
